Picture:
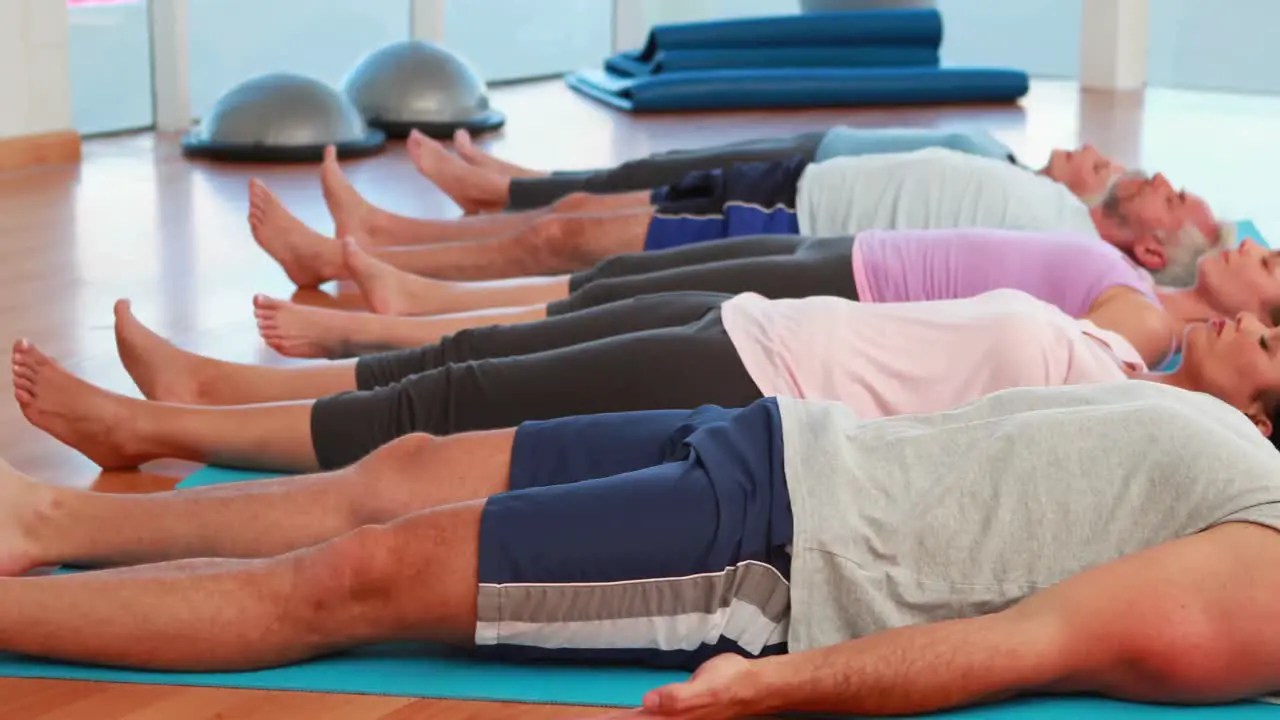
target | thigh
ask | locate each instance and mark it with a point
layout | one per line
(699, 254)
(633, 315)
(665, 565)
(665, 369)
(773, 277)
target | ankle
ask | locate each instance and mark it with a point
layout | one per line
(46, 520)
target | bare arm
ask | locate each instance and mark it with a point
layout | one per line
(1192, 621)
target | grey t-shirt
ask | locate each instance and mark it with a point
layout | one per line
(920, 518)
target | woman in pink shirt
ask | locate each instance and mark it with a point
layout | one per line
(880, 358)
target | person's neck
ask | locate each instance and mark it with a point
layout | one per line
(1173, 378)
(1185, 306)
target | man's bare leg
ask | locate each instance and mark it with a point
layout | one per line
(474, 156)
(302, 331)
(554, 245)
(412, 579)
(122, 432)
(44, 525)
(354, 216)
(389, 290)
(474, 188)
(166, 373)
(306, 256)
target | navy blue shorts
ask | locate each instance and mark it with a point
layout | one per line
(657, 538)
(755, 198)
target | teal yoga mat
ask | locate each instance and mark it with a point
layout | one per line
(435, 672)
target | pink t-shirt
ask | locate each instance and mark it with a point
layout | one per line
(884, 359)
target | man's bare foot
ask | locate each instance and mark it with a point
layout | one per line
(474, 156)
(389, 290)
(474, 189)
(23, 502)
(89, 419)
(161, 370)
(308, 257)
(351, 212)
(300, 331)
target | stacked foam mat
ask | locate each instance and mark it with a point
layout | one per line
(837, 59)
(431, 671)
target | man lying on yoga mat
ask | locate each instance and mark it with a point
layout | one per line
(933, 188)
(881, 359)
(479, 182)
(1082, 277)
(1115, 539)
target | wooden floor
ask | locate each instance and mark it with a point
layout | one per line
(136, 220)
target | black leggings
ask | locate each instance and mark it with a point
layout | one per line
(578, 365)
(658, 170)
(775, 266)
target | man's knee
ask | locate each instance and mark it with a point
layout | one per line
(404, 452)
(347, 587)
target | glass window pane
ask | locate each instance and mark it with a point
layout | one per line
(512, 39)
(1041, 37)
(661, 12)
(236, 40)
(1214, 45)
(110, 60)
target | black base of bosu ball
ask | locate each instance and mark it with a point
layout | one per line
(281, 118)
(416, 85)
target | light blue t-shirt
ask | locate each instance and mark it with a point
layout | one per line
(845, 141)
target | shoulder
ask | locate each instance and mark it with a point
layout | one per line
(1126, 311)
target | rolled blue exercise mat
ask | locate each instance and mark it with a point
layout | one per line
(779, 88)
(915, 27)
(631, 64)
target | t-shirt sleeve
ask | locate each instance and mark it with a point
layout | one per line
(1266, 514)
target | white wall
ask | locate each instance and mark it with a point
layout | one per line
(35, 89)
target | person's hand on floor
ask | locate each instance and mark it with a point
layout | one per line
(723, 688)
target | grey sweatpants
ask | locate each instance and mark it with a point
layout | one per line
(657, 170)
(775, 266)
(677, 356)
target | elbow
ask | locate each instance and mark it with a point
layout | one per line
(1188, 659)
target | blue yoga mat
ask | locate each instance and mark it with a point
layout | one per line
(434, 672)
(633, 64)
(767, 88)
(920, 27)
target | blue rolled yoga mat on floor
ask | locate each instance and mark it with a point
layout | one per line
(411, 670)
(920, 27)
(777, 88)
(842, 59)
(631, 64)
(882, 38)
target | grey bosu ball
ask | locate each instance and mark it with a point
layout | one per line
(416, 85)
(282, 118)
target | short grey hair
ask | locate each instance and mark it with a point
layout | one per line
(1183, 247)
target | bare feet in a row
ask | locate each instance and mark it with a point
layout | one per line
(304, 331)
(474, 189)
(308, 257)
(95, 422)
(352, 215)
(389, 290)
(476, 157)
(161, 370)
